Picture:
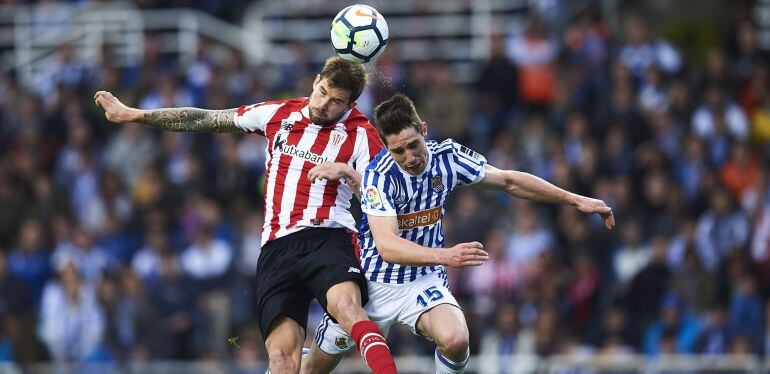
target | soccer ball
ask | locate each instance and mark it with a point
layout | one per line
(359, 33)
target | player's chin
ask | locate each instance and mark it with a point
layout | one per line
(322, 121)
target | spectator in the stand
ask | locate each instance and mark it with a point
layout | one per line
(495, 94)
(528, 240)
(741, 171)
(614, 330)
(175, 302)
(119, 331)
(147, 260)
(14, 298)
(633, 254)
(207, 262)
(492, 280)
(447, 108)
(717, 336)
(89, 259)
(719, 117)
(676, 329)
(694, 282)
(648, 286)
(129, 151)
(67, 70)
(720, 229)
(746, 313)
(641, 52)
(534, 52)
(29, 261)
(71, 322)
(583, 292)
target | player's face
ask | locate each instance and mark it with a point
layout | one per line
(409, 150)
(328, 104)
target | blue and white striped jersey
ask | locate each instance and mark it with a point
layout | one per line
(416, 201)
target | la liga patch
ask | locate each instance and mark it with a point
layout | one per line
(372, 197)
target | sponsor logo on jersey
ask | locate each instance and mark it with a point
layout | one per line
(437, 184)
(422, 218)
(372, 197)
(294, 151)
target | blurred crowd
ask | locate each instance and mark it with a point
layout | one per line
(126, 243)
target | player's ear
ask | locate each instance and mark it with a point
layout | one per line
(424, 126)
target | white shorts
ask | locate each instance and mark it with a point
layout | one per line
(390, 304)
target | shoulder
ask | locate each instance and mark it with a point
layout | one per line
(356, 120)
(446, 146)
(381, 164)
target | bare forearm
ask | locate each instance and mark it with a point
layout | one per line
(190, 120)
(531, 187)
(397, 250)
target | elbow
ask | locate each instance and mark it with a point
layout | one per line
(385, 253)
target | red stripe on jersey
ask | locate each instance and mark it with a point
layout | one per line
(375, 143)
(295, 135)
(303, 187)
(270, 129)
(331, 189)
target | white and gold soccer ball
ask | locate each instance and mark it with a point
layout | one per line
(359, 33)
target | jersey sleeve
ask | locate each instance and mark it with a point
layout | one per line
(377, 194)
(254, 117)
(367, 147)
(468, 164)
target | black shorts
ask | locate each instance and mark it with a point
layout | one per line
(297, 268)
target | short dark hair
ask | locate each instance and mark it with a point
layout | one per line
(396, 114)
(345, 75)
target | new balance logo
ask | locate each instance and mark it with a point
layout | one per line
(354, 270)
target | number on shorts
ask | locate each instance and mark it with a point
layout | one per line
(432, 293)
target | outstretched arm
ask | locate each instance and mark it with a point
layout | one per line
(171, 119)
(397, 250)
(530, 187)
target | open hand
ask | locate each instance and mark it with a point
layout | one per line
(114, 110)
(589, 205)
(464, 254)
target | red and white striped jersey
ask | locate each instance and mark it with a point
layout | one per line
(294, 146)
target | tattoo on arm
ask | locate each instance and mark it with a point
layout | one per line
(192, 120)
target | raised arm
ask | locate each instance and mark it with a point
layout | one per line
(170, 119)
(397, 250)
(531, 187)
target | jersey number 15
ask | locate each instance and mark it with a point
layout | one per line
(431, 293)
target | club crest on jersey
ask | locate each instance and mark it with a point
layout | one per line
(341, 342)
(437, 184)
(337, 138)
(372, 197)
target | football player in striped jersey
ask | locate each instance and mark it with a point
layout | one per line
(309, 241)
(403, 191)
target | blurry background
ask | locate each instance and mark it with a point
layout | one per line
(127, 247)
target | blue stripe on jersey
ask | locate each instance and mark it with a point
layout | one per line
(410, 194)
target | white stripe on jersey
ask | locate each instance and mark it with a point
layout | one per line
(388, 190)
